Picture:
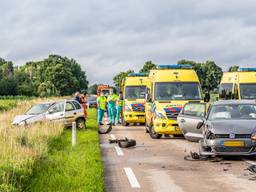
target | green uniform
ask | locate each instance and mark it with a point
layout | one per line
(112, 107)
(101, 101)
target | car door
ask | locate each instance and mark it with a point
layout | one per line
(70, 113)
(189, 117)
(56, 112)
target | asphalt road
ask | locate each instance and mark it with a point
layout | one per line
(159, 165)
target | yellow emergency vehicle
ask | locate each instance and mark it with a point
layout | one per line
(171, 87)
(238, 85)
(134, 92)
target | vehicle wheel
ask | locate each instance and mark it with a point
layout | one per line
(153, 134)
(127, 143)
(80, 123)
(124, 123)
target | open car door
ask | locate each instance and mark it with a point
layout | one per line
(189, 117)
(56, 112)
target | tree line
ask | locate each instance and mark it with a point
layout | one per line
(53, 76)
(209, 73)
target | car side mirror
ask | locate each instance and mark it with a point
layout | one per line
(207, 97)
(200, 124)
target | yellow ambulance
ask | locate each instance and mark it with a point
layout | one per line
(238, 85)
(171, 87)
(134, 93)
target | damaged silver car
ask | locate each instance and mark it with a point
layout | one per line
(229, 128)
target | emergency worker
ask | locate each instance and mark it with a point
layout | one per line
(119, 105)
(101, 103)
(112, 98)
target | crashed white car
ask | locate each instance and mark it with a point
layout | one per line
(35, 114)
(67, 111)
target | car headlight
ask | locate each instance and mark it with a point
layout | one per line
(160, 115)
(253, 137)
(127, 108)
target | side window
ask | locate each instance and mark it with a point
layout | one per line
(56, 108)
(76, 105)
(195, 109)
(225, 91)
(69, 106)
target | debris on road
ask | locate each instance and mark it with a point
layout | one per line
(124, 143)
(252, 169)
(197, 157)
(104, 130)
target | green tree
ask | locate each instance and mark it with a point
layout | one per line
(63, 74)
(233, 68)
(147, 67)
(93, 89)
(8, 86)
(24, 84)
(118, 79)
(208, 73)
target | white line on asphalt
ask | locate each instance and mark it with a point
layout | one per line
(131, 177)
(119, 151)
(112, 136)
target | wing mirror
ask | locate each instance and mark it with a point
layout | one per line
(200, 124)
(207, 97)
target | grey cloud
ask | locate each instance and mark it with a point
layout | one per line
(109, 36)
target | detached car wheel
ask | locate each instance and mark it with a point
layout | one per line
(80, 123)
(127, 143)
(153, 134)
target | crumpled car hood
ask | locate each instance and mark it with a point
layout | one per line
(28, 118)
(233, 126)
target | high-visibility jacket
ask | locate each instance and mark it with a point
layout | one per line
(102, 100)
(112, 100)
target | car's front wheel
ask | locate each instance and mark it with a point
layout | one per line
(80, 123)
(153, 134)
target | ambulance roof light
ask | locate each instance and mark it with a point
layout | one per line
(247, 69)
(137, 74)
(175, 66)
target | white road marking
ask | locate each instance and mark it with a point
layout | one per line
(131, 177)
(119, 151)
(112, 136)
(117, 148)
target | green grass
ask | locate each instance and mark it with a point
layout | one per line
(7, 104)
(71, 169)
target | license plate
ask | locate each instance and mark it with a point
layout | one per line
(234, 144)
(141, 117)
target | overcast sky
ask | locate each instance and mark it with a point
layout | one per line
(108, 36)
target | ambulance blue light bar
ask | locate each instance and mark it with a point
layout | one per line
(137, 74)
(175, 66)
(248, 69)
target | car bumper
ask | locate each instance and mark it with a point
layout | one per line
(217, 147)
(167, 126)
(132, 117)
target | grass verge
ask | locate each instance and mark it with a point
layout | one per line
(71, 169)
(21, 147)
